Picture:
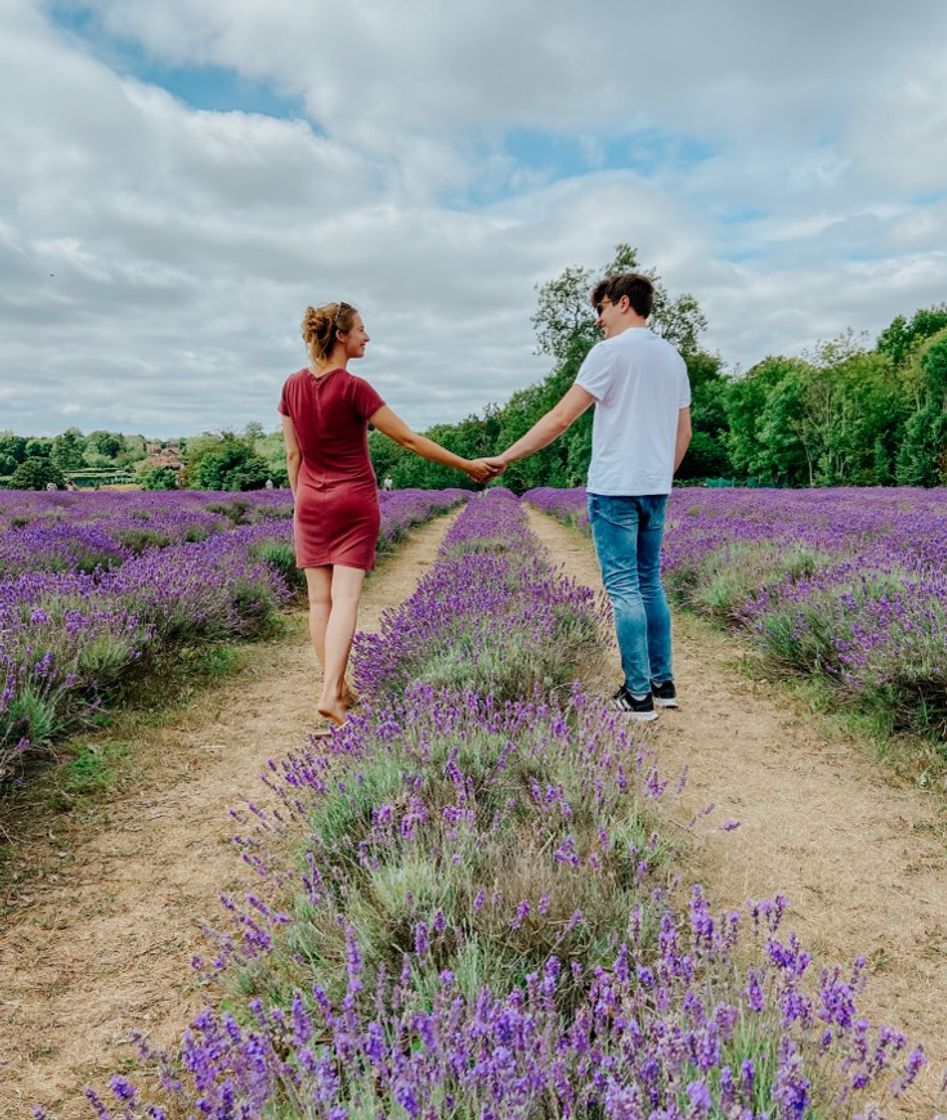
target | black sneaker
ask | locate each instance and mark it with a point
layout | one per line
(638, 709)
(664, 694)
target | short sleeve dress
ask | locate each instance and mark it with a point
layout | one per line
(337, 514)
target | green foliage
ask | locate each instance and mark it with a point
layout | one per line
(37, 448)
(899, 340)
(755, 405)
(707, 455)
(108, 445)
(832, 421)
(472, 437)
(135, 449)
(270, 448)
(721, 583)
(223, 462)
(506, 848)
(96, 768)
(68, 450)
(158, 478)
(12, 447)
(922, 458)
(846, 414)
(140, 540)
(566, 330)
(565, 316)
(36, 473)
(281, 556)
(565, 461)
(238, 510)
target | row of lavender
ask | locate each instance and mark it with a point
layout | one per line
(478, 921)
(95, 587)
(850, 584)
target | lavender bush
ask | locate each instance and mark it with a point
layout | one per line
(687, 1035)
(85, 602)
(466, 628)
(847, 584)
(480, 923)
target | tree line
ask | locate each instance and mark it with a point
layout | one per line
(248, 460)
(847, 414)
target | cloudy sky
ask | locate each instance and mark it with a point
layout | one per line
(179, 179)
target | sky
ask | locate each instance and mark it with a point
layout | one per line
(179, 180)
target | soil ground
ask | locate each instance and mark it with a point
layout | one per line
(862, 859)
(100, 942)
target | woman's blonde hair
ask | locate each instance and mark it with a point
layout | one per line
(321, 325)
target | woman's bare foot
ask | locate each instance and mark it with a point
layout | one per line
(334, 710)
(349, 695)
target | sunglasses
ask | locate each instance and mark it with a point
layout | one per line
(599, 306)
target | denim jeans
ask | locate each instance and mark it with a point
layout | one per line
(627, 533)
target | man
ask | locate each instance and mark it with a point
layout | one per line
(640, 432)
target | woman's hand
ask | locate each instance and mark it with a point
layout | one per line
(480, 470)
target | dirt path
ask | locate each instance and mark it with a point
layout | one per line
(105, 947)
(862, 861)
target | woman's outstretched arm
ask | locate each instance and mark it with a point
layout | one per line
(395, 428)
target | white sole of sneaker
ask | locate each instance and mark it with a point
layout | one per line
(665, 703)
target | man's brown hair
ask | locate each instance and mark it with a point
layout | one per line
(635, 285)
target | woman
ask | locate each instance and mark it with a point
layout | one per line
(326, 412)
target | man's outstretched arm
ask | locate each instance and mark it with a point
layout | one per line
(547, 428)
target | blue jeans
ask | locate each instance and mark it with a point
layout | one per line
(627, 533)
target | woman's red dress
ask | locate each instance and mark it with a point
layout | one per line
(337, 515)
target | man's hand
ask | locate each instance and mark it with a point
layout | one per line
(481, 470)
(497, 464)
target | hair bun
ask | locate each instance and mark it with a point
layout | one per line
(320, 324)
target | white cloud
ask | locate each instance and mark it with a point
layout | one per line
(155, 259)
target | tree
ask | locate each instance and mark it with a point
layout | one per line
(764, 437)
(13, 446)
(387, 456)
(35, 474)
(134, 449)
(922, 458)
(37, 448)
(106, 444)
(901, 337)
(565, 461)
(564, 315)
(707, 455)
(68, 450)
(854, 410)
(158, 478)
(223, 462)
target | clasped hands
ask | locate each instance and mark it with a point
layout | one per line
(485, 470)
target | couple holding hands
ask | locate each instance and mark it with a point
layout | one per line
(641, 429)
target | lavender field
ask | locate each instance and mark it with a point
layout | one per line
(848, 585)
(95, 588)
(468, 904)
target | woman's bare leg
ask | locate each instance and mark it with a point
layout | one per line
(319, 586)
(346, 589)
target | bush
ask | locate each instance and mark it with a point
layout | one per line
(36, 473)
(158, 478)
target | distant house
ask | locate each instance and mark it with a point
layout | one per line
(159, 456)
